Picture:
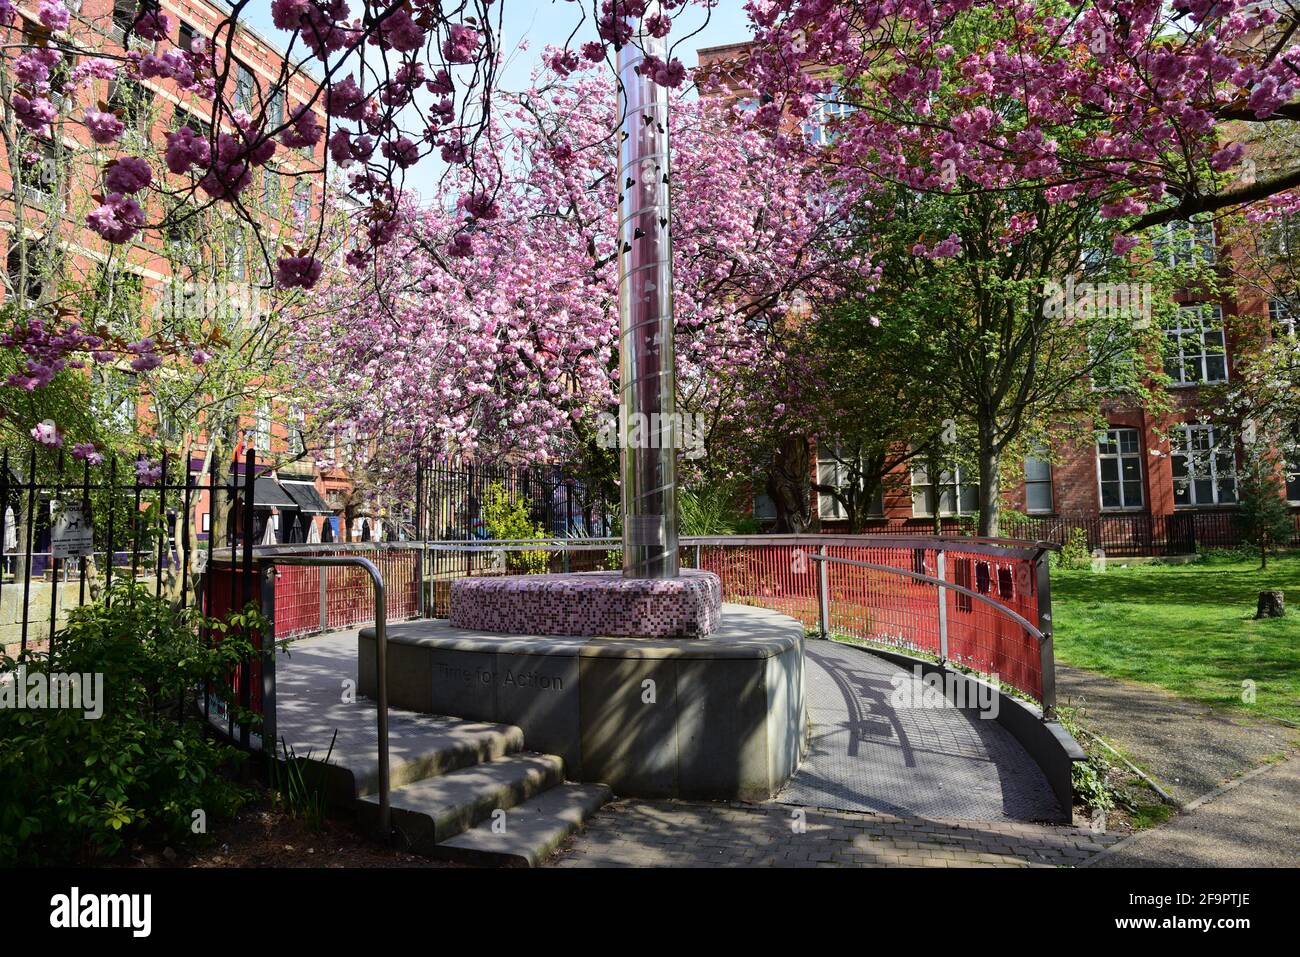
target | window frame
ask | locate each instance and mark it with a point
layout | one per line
(949, 479)
(1048, 482)
(839, 513)
(1217, 447)
(1181, 333)
(1119, 481)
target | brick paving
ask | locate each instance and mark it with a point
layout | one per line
(636, 833)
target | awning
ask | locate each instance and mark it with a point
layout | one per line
(307, 498)
(268, 493)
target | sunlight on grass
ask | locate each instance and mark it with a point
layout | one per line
(1187, 628)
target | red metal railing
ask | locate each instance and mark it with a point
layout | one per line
(964, 600)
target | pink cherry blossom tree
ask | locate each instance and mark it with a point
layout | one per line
(487, 326)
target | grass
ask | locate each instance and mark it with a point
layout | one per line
(1189, 629)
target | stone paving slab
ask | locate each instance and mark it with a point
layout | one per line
(931, 762)
(630, 833)
(1188, 747)
(1251, 822)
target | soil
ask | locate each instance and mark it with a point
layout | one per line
(262, 835)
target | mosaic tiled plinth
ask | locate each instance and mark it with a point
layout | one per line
(595, 604)
(716, 718)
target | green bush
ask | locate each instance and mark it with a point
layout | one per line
(1074, 553)
(507, 519)
(75, 788)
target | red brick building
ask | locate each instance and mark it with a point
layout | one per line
(1147, 479)
(48, 209)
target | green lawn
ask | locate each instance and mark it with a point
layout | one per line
(1187, 628)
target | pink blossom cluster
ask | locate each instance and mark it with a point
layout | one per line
(506, 345)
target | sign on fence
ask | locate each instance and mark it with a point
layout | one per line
(73, 535)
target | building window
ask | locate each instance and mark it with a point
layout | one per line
(30, 283)
(1181, 244)
(835, 473)
(205, 522)
(764, 507)
(1038, 484)
(302, 202)
(187, 37)
(244, 86)
(1119, 469)
(955, 494)
(130, 100)
(1204, 466)
(1292, 464)
(275, 107)
(262, 436)
(1281, 237)
(1195, 351)
(38, 171)
(298, 432)
(1282, 314)
(825, 116)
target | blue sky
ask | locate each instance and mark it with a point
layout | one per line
(542, 22)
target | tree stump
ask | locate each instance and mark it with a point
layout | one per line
(1270, 605)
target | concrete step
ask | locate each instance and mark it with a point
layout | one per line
(532, 830)
(436, 808)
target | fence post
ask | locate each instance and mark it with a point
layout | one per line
(823, 594)
(1046, 656)
(940, 573)
(269, 735)
(324, 600)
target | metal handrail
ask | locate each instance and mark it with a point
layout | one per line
(1023, 622)
(1046, 652)
(381, 656)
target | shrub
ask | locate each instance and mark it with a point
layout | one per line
(508, 518)
(1074, 553)
(75, 788)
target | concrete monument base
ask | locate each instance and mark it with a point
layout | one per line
(717, 718)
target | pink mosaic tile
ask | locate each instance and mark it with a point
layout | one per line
(590, 604)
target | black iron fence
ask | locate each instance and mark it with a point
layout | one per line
(70, 529)
(450, 500)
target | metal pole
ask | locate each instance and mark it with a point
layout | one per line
(939, 572)
(823, 594)
(269, 735)
(1047, 657)
(647, 393)
(381, 660)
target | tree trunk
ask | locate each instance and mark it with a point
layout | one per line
(788, 484)
(990, 492)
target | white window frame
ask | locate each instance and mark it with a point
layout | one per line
(264, 431)
(1191, 328)
(1283, 317)
(1184, 243)
(827, 110)
(1115, 437)
(948, 480)
(829, 508)
(1203, 464)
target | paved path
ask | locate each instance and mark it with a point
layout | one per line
(880, 786)
(631, 833)
(932, 762)
(1188, 747)
(1251, 822)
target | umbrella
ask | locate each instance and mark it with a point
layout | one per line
(269, 537)
(313, 532)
